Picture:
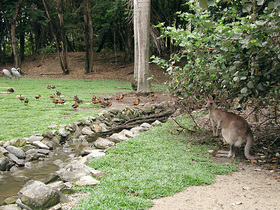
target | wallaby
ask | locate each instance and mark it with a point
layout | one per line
(235, 129)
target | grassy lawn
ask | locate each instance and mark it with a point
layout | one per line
(19, 120)
(152, 165)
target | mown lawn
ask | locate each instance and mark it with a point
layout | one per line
(19, 120)
(152, 165)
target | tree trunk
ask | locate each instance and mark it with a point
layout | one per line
(22, 45)
(142, 10)
(63, 57)
(88, 37)
(17, 60)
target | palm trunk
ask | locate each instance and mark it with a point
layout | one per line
(142, 45)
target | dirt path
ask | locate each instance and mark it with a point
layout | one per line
(249, 188)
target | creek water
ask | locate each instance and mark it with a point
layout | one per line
(12, 181)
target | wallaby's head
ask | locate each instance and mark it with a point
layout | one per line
(211, 103)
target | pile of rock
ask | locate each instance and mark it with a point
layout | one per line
(50, 192)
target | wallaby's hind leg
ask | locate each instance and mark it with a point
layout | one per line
(231, 151)
(229, 138)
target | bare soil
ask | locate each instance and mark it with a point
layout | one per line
(256, 185)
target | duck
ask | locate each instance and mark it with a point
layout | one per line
(75, 105)
(137, 101)
(37, 96)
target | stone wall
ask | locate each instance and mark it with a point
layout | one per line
(98, 134)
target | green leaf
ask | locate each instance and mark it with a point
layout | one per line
(260, 87)
(250, 85)
(244, 90)
(211, 2)
(236, 79)
(203, 4)
(260, 2)
(247, 7)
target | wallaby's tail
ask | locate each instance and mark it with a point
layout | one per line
(250, 141)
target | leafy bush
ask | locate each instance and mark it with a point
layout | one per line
(231, 49)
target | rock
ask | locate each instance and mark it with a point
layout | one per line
(146, 126)
(148, 108)
(37, 195)
(62, 132)
(156, 123)
(74, 129)
(127, 133)
(5, 164)
(7, 143)
(82, 138)
(3, 151)
(16, 151)
(40, 145)
(11, 200)
(37, 137)
(56, 207)
(74, 170)
(31, 157)
(93, 154)
(117, 137)
(59, 163)
(18, 142)
(49, 143)
(14, 158)
(23, 206)
(42, 151)
(96, 128)
(86, 180)
(87, 131)
(137, 130)
(50, 178)
(56, 140)
(102, 143)
(50, 133)
(73, 174)
(97, 173)
(104, 127)
(10, 207)
(85, 121)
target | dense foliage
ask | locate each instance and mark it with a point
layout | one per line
(232, 50)
(112, 25)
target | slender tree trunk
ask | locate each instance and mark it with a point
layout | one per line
(88, 37)
(22, 45)
(142, 10)
(17, 60)
(54, 35)
(63, 57)
(91, 34)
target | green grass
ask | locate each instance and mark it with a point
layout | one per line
(19, 120)
(152, 165)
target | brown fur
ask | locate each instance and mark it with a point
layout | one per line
(235, 129)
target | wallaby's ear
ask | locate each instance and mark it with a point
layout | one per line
(212, 97)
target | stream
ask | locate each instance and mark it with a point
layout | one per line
(11, 182)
